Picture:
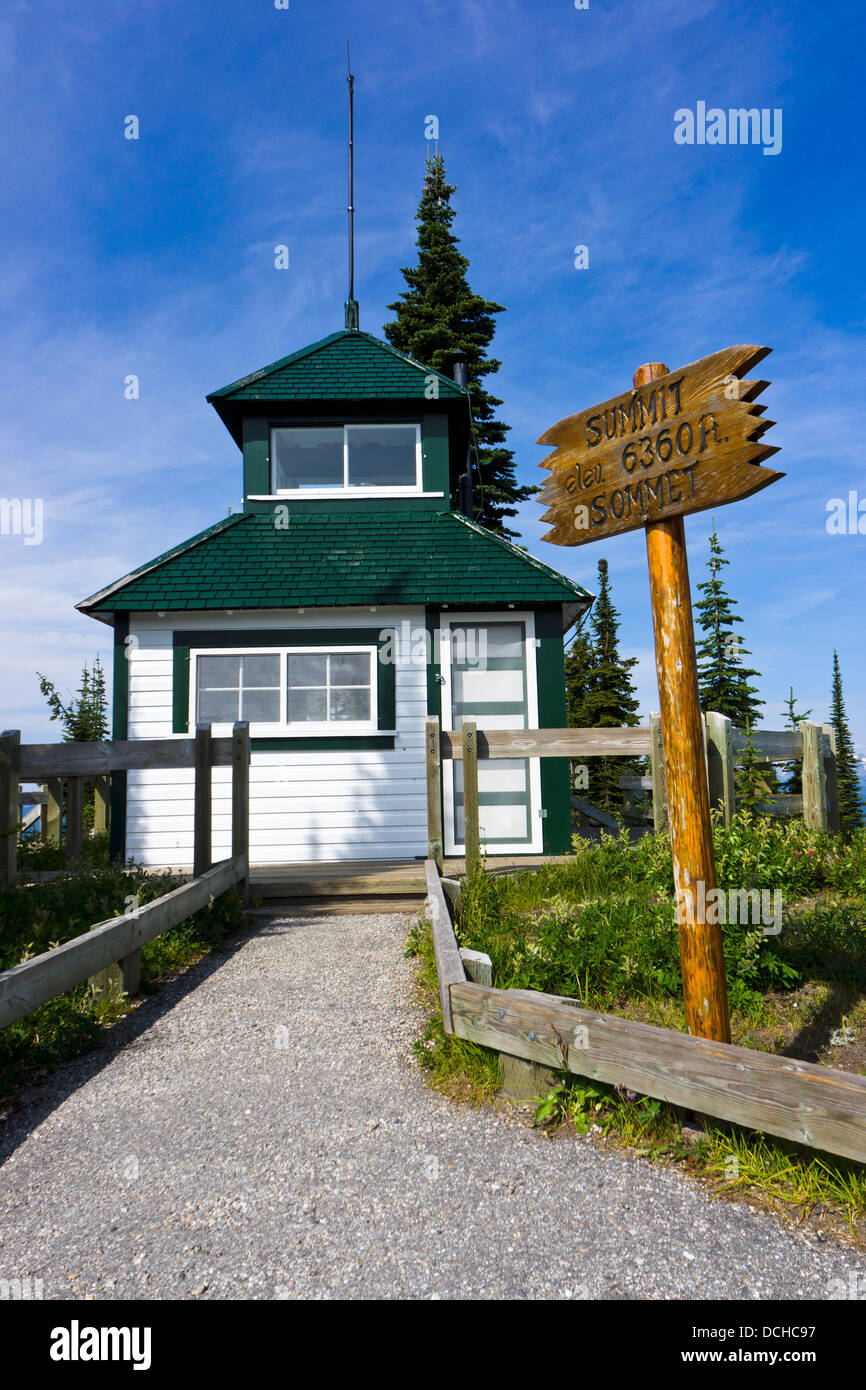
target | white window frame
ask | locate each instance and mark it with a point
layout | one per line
(333, 728)
(347, 490)
(535, 845)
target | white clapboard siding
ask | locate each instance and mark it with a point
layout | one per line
(274, 800)
(299, 822)
(320, 806)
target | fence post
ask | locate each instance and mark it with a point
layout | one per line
(814, 779)
(435, 847)
(524, 1081)
(101, 802)
(10, 808)
(53, 811)
(119, 978)
(74, 820)
(831, 778)
(202, 853)
(720, 763)
(241, 799)
(471, 831)
(660, 797)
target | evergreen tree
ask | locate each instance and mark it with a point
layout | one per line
(438, 314)
(794, 770)
(847, 767)
(85, 717)
(579, 668)
(750, 779)
(723, 680)
(600, 692)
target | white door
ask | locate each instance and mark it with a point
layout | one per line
(488, 669)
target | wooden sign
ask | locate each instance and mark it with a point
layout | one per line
(680, 443)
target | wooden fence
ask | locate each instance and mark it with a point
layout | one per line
(539, 1034)
(109, 953)
(57, 806)
(77, 763)
(813, 744)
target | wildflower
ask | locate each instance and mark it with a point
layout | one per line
(631, 1095)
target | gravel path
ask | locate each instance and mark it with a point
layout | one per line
(259, 1130)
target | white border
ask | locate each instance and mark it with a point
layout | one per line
(329, 729)
(535, 845)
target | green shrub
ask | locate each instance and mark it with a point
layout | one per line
(602, 927)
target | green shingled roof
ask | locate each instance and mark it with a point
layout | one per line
(349, 365)
(338, 558)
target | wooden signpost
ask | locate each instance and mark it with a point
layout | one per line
(679, 442)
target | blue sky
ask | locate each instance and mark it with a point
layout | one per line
(155, 258)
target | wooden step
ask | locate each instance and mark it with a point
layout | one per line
(353, 879)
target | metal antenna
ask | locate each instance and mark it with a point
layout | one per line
(352, 318)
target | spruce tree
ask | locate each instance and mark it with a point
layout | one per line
(794, 769)
(847, 767)
(438, 314)
(752, 783)
(723, 680)
(605, 696)
(579, 669)
(85, 717)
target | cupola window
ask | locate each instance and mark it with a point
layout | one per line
(346, 457)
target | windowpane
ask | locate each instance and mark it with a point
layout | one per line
(382, 456)
(349, 704)
(261, 706)
(350, 668)
(473, 644)
(217, 706)
(308, 457)
(308, 670)
(505, 639)
(475, 688)
(261, 671)
(217, 672)
(306, 706)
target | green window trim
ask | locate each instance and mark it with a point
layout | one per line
(386, 685)
(119, 730)
(180, 689)
(555, 772)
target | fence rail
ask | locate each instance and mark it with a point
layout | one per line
(117, 941)
(814, 745)
(801, 1101)
(40, 760)
(78, 763)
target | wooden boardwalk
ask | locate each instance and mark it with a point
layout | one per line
(395, 882)
(382, 880)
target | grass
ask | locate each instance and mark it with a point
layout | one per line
(34, 917)
(601, 929)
